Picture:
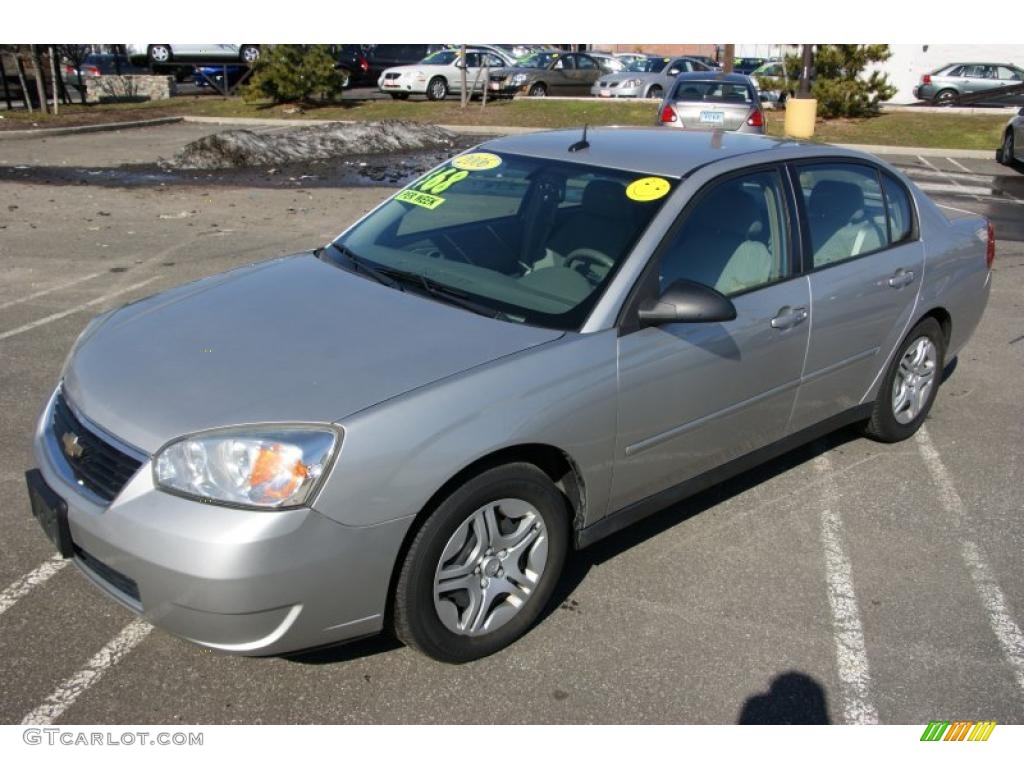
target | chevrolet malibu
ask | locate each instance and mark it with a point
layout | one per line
(538, 343)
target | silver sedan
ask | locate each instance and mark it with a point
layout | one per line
(648, 77)
(713, 101)
(1012, 150)
(538, 343)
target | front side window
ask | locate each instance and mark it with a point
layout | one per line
(585, 62)
(846, 212)
(647, 65)
(442, 58)
(734, 239)
(538, 60)
(533, 239)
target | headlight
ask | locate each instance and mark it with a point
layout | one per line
(631, 83)
(265, 467)
(519, 79)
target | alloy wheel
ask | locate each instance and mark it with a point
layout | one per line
(159, 53)
(914, 380)
(490, 567)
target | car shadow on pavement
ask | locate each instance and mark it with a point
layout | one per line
(792, 699)
(579, 563)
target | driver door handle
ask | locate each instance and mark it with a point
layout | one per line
(788, 317)
(901, 278)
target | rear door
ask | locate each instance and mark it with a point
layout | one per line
(692, 396)
(865, 262)
(586, 74)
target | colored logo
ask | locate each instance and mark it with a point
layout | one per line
(958, 730)
(646, 189)
(477, 161)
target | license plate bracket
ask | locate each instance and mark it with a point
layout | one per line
(51, 511)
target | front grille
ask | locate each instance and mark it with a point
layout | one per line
(392, 75)
(104, 572)
(96, 464)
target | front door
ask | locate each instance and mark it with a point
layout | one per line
(693, 396)
(865, 274)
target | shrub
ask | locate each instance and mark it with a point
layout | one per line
(287, 73)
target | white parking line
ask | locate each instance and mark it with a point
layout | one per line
(68, 691)
(975, 192)
(45, 291)
(26, 583)
(72, 310)
(958, 164)
(1005, 628)
(851, 654)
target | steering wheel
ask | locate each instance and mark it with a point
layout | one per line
(589, 257)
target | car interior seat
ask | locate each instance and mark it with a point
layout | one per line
(840, 228)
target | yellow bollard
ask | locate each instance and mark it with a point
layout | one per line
(800, 114)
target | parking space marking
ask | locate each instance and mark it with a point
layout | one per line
(958, 188)
(851, 653)
(959, 165)
(72, 310)
(45, 291)
(1006, 630)
(68, 691)
(21, 587)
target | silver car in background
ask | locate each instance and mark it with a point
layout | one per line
(1011, 152)
(648, 77)
(538, 343)
(713, 101)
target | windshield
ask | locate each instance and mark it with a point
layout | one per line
(647, 65)
(441, 57)
(537, 60)
(534, 240)
(713, 90)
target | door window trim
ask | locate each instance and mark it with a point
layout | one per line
(807, 247)
(647, 282)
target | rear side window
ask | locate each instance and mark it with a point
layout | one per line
(734, 239)
(898, 210)
(846, 212)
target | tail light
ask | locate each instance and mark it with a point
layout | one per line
(68, 69)
(990, 248)
(926, 79)
(91, 70)
(756, 119)
(364, 64)
(668, 115)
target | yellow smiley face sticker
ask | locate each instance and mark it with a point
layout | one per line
(476, 161)
(647, 189)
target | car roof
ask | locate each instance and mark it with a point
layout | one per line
(725, 77)
(653, 150)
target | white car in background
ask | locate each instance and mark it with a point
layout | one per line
(165, 53)
(440, 73)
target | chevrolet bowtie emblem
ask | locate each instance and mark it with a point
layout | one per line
(72, 448)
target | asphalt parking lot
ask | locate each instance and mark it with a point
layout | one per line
(848, 581)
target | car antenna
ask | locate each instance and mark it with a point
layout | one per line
(582, 143)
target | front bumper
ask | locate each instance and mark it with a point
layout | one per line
(617, 93)
(256, 583)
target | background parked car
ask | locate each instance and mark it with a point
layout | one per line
(548, 73)
(440, 73)
(648, 77)
(96, 64)
(746, 65)
(629, 58)
(213, 76)
(608, 63)
(770, 78)
(723, 102)
(352, 62)
(947, 84)
(1012, 150)
(381, 56)
(164, 53)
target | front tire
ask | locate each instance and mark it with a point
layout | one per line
(655, 92)
(437, 89)
(910, 385)
(159, 54)
(1008, 158)
(483, 565)
(249, 54)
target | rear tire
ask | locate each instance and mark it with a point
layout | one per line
(538, 89)
(947, 97)
(249, 54)
(1008, 158)
(159, 54)
(655, 92)
(910, 385)
(504, 532)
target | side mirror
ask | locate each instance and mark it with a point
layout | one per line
(686, 302)
(673, 72)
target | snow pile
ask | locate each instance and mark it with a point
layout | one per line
(242, 148)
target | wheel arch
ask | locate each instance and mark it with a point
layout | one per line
(944, 319)
(558, 465)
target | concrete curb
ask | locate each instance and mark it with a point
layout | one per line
(32, 133)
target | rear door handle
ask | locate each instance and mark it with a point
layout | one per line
(901, 278)
(788, 317)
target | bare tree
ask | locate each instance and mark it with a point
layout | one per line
(76, 56)
(37, 65)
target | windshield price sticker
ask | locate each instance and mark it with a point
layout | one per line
(477, 161)
(647, 189)
(422, 199)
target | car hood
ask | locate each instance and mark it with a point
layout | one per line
(406, 69)
(292, 340)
